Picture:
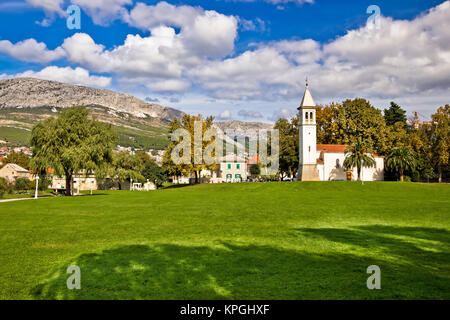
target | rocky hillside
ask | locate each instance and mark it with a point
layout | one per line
(25, 101)
(30, 92)
(139, 124)
(242, 125)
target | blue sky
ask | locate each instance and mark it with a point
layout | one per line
(236, 59)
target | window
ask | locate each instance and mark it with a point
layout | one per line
(338, 164)
(237, 176)
(238, 166)
(229, 176)
(311, 117)
(229, 166)
(306, 117)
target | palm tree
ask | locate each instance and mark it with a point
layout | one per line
(401, 159)
(357, 155)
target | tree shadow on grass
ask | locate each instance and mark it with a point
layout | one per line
(420, 254)
(233, 271)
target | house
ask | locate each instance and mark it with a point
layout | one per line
(319, 162)
(81, 182)
(232, 169)
(11, 172)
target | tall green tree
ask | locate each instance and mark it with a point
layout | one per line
(154, 173)
(440, 140)
(359, 156)
(328, 131)
(125, 167)
(358, 120)
(288, 146)
(400, 160)
(71, 143)
(188, 123)
(395, 114)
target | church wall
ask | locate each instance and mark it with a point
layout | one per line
(333, 170)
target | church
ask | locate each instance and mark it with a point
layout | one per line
(323, 162)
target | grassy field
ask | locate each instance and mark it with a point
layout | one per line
(287, 240)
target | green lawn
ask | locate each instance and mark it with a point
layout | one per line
(287, 240)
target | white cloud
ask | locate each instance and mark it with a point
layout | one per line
(103, 12)
(49, 6)
(51, 9)
(160, 60)
(188, 47)
(224, 115)
(399, 59)
(77, 76)
(169, 86)
(31, 51)
(281, 113)
(250, 114)
(203, 33)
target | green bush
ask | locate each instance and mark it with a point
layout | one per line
(5, 187)
(23, 184)
(44, 183)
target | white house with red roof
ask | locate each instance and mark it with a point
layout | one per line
(323, 162)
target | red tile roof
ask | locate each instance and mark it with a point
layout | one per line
(332, 147)
(254, 159)
(340, 148)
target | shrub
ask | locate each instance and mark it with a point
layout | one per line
(44, 183)
(5, 187)
(23, 184)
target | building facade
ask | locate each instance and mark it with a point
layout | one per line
(320, 162)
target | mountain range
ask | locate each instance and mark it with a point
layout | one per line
(139, 124)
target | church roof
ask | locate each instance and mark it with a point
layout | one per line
(337, 148)
(307, 101)
(332, 147)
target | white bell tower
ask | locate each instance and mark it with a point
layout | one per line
(307, 170)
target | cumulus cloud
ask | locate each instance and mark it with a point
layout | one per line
(399, 59)
(189, 47)
(103, 12)
(281, 113)
(77, 76)
(51, 9)
(31, 51)
(203, 33)
(224, 115)
(250, 114)
(169, 86)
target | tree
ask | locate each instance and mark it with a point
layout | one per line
(71, 143)
(154, 173)
(358, 120)
(326, 124)
(351, 121)
(357, 155)
(18, 158)
(440, 139)
(125, 167)
(401, 159)
(255, 169)
(394, 115)
(5, 187)
(288, 142)
(188, 123)
(396, 135)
